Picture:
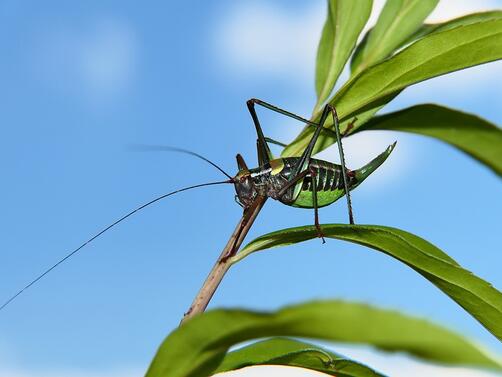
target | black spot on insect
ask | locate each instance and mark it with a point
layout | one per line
(329, 178)
(307, 184)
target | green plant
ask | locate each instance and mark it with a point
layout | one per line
(398, 52)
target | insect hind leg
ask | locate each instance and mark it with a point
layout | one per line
(342, 161)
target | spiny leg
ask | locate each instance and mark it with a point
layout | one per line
(264, 153)
(292, 182)
(272, 141)
(305, 158)
(298, 178)
(253, 101)
(342, 162)
(303, 163)
(289, 114)
(313, 174)
(301, 169)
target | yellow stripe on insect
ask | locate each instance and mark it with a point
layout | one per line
(277, 166)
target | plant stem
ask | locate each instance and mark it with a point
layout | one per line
(224, 261)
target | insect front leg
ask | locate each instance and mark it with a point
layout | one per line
(304, 161)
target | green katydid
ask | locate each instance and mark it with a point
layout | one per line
(302, 181)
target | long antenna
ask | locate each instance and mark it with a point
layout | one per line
(166, 148)
(103, 231)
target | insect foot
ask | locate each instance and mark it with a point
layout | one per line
(320, 234)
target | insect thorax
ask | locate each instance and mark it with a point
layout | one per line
(270, 179)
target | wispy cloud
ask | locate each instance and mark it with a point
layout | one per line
(260, 38)
(450, 9)
(97, 61)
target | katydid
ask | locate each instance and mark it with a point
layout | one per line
(302, 182)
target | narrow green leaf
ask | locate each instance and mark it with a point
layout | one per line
(469, 19)
(346, 19)
(198, 347)
(398, 20)
(282, 351)
(475, 136)
(436, 54)
(476, 296)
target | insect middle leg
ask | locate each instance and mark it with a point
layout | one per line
(304, 161)
(313, 175)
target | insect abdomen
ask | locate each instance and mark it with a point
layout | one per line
(329, 185)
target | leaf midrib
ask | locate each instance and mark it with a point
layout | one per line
(385, 36)
(382, 92)
(443, 53)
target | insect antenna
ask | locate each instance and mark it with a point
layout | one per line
(69, 255)
(166, 148)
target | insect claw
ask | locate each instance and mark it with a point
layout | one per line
(320, 234)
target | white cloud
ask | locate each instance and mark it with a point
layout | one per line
(260, 38)
(447, 9)
(97, 61)
(107, 58)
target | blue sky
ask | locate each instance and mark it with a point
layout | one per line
(82, 82)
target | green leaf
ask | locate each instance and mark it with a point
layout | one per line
(473, 135)
(346, 19)
(398, 20)
(282, 351)
(198, 347)
(469, 19)
(475, 295)
(436, 54)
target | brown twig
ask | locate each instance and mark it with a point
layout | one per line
(223, 263)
